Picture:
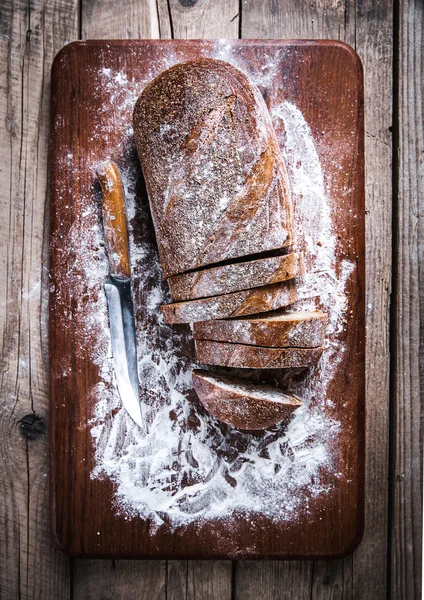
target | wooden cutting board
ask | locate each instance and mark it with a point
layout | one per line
(187, 486)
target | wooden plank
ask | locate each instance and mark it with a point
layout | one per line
(106, 578)
(374, 31)
(119, 579)
(368, 28)
(299, 20)
(408, 381)
(31, 33)
(127, 19)
(199, 579)
(159, 20)
(332, 579)
(194, 19)
(276, 580)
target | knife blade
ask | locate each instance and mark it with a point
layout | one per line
(118, 289)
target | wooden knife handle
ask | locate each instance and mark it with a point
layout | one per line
(114, 218)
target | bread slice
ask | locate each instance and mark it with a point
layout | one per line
(276, 330)
(254, 357)
(215, 176)
(241, 404)
(237, 304)
(235, 277)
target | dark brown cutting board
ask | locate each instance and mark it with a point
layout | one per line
(189, 486)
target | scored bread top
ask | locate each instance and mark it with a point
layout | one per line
(214, 173)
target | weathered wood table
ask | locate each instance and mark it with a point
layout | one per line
(389, 40)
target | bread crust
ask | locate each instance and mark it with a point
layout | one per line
(215, 176)
(243, 405)
(235, 277)
(254, 357)
(276, 330)
(236, 304)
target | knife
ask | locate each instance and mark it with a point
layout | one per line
(118, 288)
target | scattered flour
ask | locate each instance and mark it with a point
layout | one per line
(184, 466)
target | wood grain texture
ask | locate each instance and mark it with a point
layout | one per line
(408, 380)
(368, 27)
(127, 19)
(119, 580)
(199, 580)
(197, 19)
(30, 35)
(374, 26)
(274, 580)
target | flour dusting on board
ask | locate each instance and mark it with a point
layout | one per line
(183, 466)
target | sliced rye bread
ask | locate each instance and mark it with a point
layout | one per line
(216, 180)
(254, 357)
(241, 404)
(237, 304)
(225, 279)
(275, 330)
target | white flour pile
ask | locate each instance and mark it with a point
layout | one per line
(182, 466)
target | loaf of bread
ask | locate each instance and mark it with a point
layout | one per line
(214, 173)
(236, 304)
(242, 356)
(221, 207)
(234, 277)
(275, 330)
(240, 404)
